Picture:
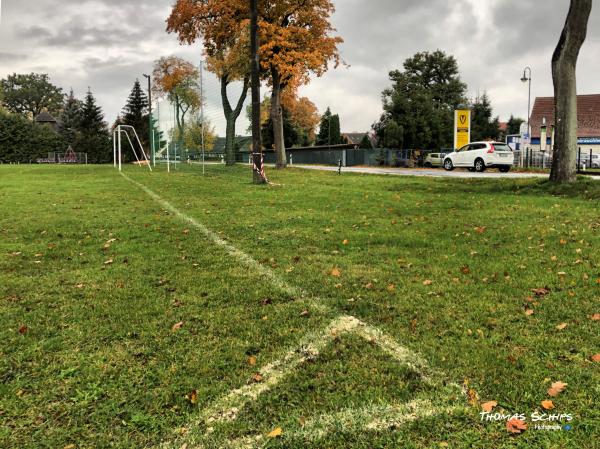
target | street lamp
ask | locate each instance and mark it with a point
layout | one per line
(527, 78)
(150, 118)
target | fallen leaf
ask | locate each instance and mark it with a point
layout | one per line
(252, 360)
(540, 291)
(23, 329)
(556, 388)
(595, 358)
(336, 272)
(345, 242)
(548, 405)
(369, 286)
(427, 282)
(473, 397)
(529, 312)
(109, 262)
(177, 326)
(257, 378)
(488, 406)
(516, 426)
(596, 317)
(465, 270)
(193, 397)
(305, 314)
(186, 231)
(561, 326)
(391, 288)
(275, 433)
(70, 446)
(480, 229)
(563, 242)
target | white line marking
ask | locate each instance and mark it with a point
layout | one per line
(227, 407)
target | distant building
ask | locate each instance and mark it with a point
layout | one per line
(46, 119)
(588, 119)
(356, 138)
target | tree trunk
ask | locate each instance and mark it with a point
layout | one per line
(258, 169)
(231, 116)
(277, 120)
(564, 74)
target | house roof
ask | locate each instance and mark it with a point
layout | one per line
(45, 117)
(588, 115)
(354, 138)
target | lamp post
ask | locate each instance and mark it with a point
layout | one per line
(150, 119)
(527, 78)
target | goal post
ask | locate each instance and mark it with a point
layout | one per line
(118, 147)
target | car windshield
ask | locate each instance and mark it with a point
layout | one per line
(502, 147)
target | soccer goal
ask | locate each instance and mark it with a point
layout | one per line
(124, 130)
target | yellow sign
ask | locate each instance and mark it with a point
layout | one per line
(462, 128)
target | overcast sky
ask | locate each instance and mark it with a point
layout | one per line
(107, 44)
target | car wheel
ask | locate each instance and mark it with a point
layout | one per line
(504, 169)
(448, 165)
(479, 165)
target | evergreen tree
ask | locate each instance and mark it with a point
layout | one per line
(514, 125)
(483, 126)
(135, 113)
(365, 143)
(70, 118)
(329, 129)
(291, 137)
(93, 138)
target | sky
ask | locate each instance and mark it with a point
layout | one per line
(106, 44)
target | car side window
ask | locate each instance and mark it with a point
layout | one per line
(465, 148)
(479, 146)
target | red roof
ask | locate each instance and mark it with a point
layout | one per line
(588, 115)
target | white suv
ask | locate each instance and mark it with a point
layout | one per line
(479, 156)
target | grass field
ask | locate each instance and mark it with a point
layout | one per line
(180, 310)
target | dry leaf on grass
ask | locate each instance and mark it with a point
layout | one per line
(488, 406)
(257, 378)
(427, 282)
(595, 358)
(556, 388)
(177, 326)
(548, 405)
(251, 360)
(480, 229)
(109, 262)
(336, 272)
(465, 270)
(23, 329)
(596, 317)
(193, 397)
(529, 312)
(561, 326)
(516, 426)
(275, 433)
(345, 242)
(540, 291)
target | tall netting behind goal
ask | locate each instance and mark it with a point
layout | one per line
(194, 139)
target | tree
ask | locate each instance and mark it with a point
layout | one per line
(296, 41)
(514, 125)
(304, 116)
(93, 137)
(31, 94)
(564, 75)
(394, 135)
(422, 100)
(290, 132)
(25, 141)
(70, 119)
(329, 129)
(135, 112)
(223, 27)
(195, 134)
(483, 126)
(177, 80)
(365, 143)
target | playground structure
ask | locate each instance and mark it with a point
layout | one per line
(119, 131)
(69, 157)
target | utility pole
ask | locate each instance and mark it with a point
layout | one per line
(150, 119)
(258, 169)
(202, 111)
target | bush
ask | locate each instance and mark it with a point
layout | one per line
(24, 141)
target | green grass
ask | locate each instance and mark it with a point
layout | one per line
(100, 366)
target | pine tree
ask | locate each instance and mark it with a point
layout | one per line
(135, 113)
(482, 125)
(329, 121)
(70, 118)
(94, 138)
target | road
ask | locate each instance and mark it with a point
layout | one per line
(424, 172)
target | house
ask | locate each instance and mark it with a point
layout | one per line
(355, 138)
(588, 120)
(44, 118)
